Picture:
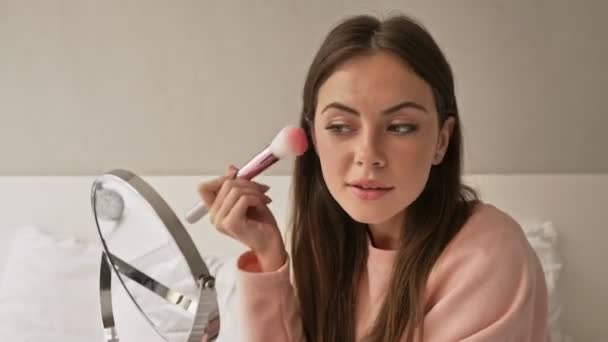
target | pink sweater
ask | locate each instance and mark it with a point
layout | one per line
(487, 285)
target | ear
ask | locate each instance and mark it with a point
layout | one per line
(444, 139)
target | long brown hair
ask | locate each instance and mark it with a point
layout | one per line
(329, 248)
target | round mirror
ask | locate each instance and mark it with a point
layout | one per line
(154, 259)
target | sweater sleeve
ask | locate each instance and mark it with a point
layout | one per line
(487, 288)
(269, 310)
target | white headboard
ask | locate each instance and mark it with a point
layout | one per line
(576, 204)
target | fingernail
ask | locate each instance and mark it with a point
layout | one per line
(231, 171)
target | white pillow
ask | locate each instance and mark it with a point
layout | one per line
(543, 239)
(50, 292)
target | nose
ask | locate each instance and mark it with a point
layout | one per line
(369, 152)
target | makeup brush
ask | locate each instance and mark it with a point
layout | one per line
(290, 141)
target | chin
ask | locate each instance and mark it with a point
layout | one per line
(372, 212)
(367, 215)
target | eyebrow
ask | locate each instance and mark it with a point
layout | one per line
(391, 110)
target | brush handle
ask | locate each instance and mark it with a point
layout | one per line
(196, 213)
(254, 167)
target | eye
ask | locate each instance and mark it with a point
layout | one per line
(402, 128)
(338, 128)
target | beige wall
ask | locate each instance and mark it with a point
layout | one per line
(186, 87)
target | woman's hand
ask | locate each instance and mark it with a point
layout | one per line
(238, 208)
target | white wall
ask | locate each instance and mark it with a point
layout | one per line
(187, 87)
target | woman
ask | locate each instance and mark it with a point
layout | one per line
(387, 243)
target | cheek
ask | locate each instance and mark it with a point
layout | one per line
(327, 148)
(416, 154)
(424, 150)
(413, 166)
(333, 160)
(421, 158)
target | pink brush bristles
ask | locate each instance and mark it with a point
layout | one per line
(297, 140)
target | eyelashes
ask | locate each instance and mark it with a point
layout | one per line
(338, 129)
(403, 128)
(399, 129)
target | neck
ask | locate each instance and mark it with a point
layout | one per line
(386, 235)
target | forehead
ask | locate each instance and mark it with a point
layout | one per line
(378, 80)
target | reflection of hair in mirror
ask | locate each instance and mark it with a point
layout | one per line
(329, 248)
(109, 204)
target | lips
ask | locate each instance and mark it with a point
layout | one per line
(369, 184)
(369, 189)
(368, 194)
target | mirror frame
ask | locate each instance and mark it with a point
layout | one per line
(206, 321)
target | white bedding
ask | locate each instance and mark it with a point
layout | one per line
(50, 292)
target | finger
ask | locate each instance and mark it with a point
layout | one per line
(232, 198)
(232, 171)
(219, 198)
(236, 219)
(226, 187)
(234, 195)
(214, 216)
(231, 168)
(245, 183)
(240, 183)
(263, 187)
(208, 190)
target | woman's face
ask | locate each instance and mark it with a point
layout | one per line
(376, 121)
